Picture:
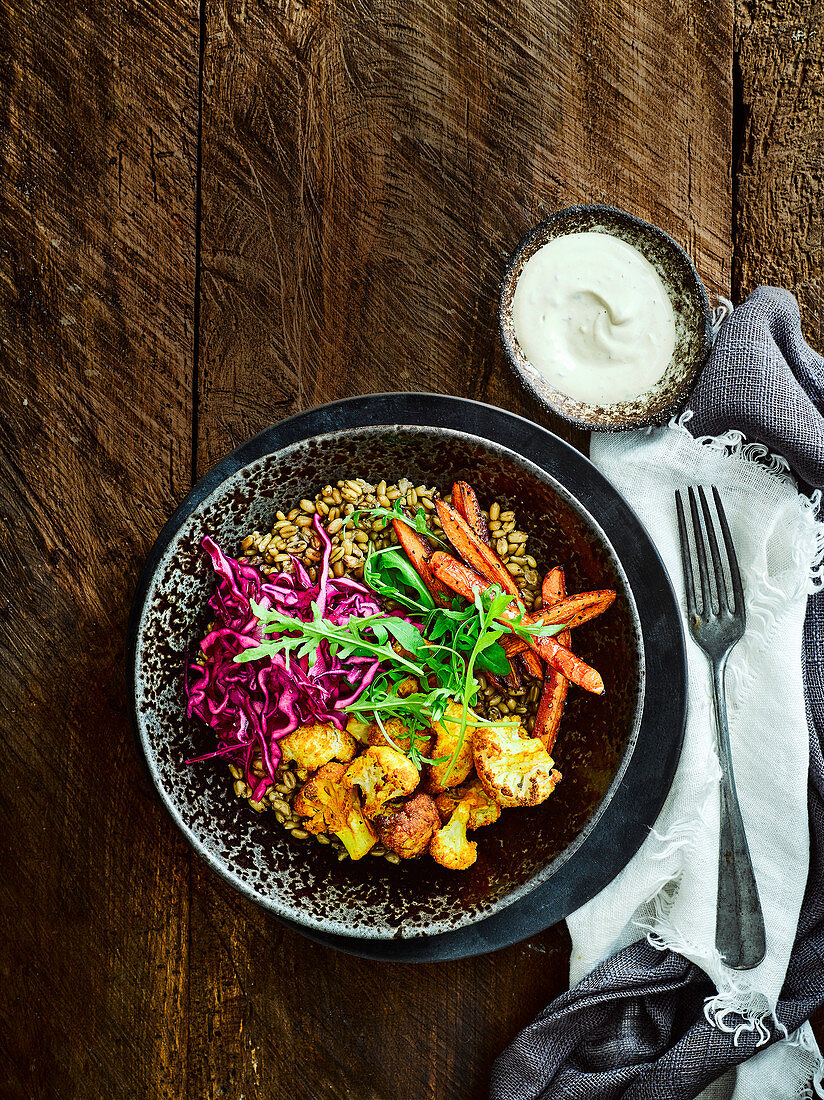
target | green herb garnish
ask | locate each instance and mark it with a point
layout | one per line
(418, 522)
(350, 639)
(445, 646)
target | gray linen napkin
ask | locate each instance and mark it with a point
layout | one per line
(634, 1027)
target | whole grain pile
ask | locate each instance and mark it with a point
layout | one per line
(292, 535)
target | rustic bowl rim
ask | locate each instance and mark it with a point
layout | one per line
(524, 370)
(421, 411)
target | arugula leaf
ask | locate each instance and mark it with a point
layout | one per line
(390, 573)
(406, 633)
(418, 522)
(349, 639)
(494, 660)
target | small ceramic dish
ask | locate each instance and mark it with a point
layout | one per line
(693, 320)
(619, 750)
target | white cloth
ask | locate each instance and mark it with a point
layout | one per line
(668, 890)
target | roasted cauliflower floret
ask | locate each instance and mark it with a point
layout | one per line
(408, 828)
(483, 809)
(382, 773)
(313, 746)
(450, 846)
(515, 769)
(446, 733)
(358, 729)
(329, 805)
(408, 687)
(400, 736)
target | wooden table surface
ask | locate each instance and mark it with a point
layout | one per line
(215, 215)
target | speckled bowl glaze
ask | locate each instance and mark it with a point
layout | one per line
(301, 882)
(693, 320)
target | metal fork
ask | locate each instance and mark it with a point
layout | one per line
(717, 625)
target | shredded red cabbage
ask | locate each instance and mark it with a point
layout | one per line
(251, 706)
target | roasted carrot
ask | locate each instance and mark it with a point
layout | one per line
(461, 579)
(457, 576)
(565, 661)
(419, 551)
(512, 645)
(474, 551)
(573, 610)
(496, 682)
(530, 663)
(465, 502)
(554, 589)
(553, 696)
(513, 678)
(516, 647)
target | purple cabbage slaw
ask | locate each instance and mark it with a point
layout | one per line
(252, 705)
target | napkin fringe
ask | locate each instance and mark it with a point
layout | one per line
(736, 1008)
(733, 444)
(720, 313)
(804, 1039)
(750, 1008)
(735, 996)
(812, 505)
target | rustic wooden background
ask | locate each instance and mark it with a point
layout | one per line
(216, 213)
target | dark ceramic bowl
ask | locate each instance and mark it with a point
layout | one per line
(572, 844)
(693, 320)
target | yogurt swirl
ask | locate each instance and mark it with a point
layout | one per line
(593, 317)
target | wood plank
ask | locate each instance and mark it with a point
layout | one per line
(366, 172)
(273, 1015)
(98, 135)
(779, 224)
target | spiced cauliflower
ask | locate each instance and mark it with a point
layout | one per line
(382, 773)
(447, 735)
(450, 846)
(330, 805)
(407, 828)
(358, 728)
(483, 809)
(398, 736)
(313, 746)
(515, 769)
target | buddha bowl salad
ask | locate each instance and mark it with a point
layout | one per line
(386, 672)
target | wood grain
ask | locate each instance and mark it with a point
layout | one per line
(97, 137)
(779, 218)
(273, 1015)
(779, 222)
(366, 171)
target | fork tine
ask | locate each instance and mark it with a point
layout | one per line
(735, 576)
(720, 582)
(703, 568)
(686, 556)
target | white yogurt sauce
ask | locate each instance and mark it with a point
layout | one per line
(593, 317)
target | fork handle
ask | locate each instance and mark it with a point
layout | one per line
(739, 927)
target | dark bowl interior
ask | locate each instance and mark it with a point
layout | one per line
(693, 319)
(302, 881)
